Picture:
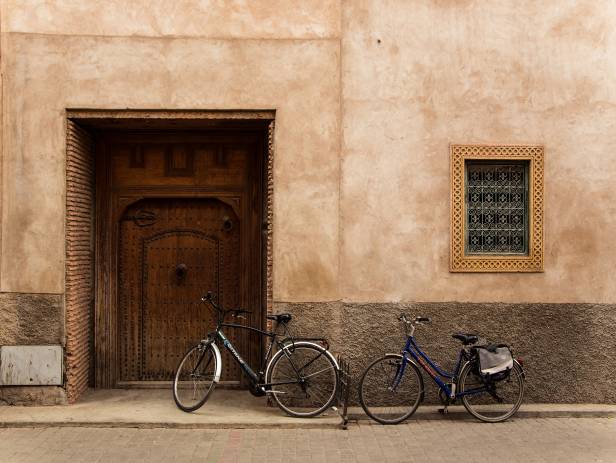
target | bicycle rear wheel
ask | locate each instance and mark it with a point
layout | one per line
(494, 401)
(194, 378)
(382, 399)
(303, 378)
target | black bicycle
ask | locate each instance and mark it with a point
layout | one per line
(301, 376)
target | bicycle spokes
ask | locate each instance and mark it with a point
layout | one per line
(194, 379)
(303, 380)
(388, 392)
(491, 400)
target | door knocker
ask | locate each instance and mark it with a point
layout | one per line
(227, 223)
(180, 272)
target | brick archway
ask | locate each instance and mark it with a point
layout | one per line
(84, 308)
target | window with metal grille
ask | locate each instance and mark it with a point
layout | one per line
(496, 207)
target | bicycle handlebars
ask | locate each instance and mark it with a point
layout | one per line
(221, 312)
(407, 323)
(418, 320)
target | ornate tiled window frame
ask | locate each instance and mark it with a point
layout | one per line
(459, 260)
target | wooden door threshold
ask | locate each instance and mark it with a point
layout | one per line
(167, 384)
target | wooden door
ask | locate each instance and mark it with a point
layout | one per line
(172, 251)
(179, 214)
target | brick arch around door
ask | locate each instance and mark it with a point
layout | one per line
(160, 207)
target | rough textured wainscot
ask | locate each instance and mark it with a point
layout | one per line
(30, 319)
(566, 348)
(33, 395)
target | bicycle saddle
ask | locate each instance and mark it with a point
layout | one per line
(466, 338)
(281, 317)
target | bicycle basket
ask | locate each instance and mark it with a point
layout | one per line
(495, 362)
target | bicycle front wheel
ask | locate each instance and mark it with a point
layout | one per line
(194, 378)
(491, 401)
(303, 378)
(386, 393)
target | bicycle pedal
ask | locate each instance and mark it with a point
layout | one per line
(443, 411)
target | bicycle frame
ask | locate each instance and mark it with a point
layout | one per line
(422, 359)
(254, 377)
(257, 378)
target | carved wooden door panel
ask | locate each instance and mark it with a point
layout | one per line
(179, 212)
(172, 251)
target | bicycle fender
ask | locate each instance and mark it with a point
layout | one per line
(302, 343)
(521, 368)
(408, 358)
(218, 362)
(412, 361)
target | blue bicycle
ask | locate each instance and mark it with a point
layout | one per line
(391, 388)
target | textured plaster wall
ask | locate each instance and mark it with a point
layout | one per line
(368, 95)
(419, 75)
(297, 74)
(31, 319)
(227, 19)
(567, 349)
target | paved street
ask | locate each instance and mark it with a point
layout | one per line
(522, 440)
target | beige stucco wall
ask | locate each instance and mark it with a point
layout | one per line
(70, 64)
(475, 71)
(362, 134)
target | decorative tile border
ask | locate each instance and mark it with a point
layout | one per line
(459, 261)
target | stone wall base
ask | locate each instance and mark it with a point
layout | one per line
(32, 395)
(31, 319)
(26, 320)
(567, 349)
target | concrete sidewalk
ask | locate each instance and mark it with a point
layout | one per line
(532, 440)
(154, 408)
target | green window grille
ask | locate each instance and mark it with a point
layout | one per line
(496, 207)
